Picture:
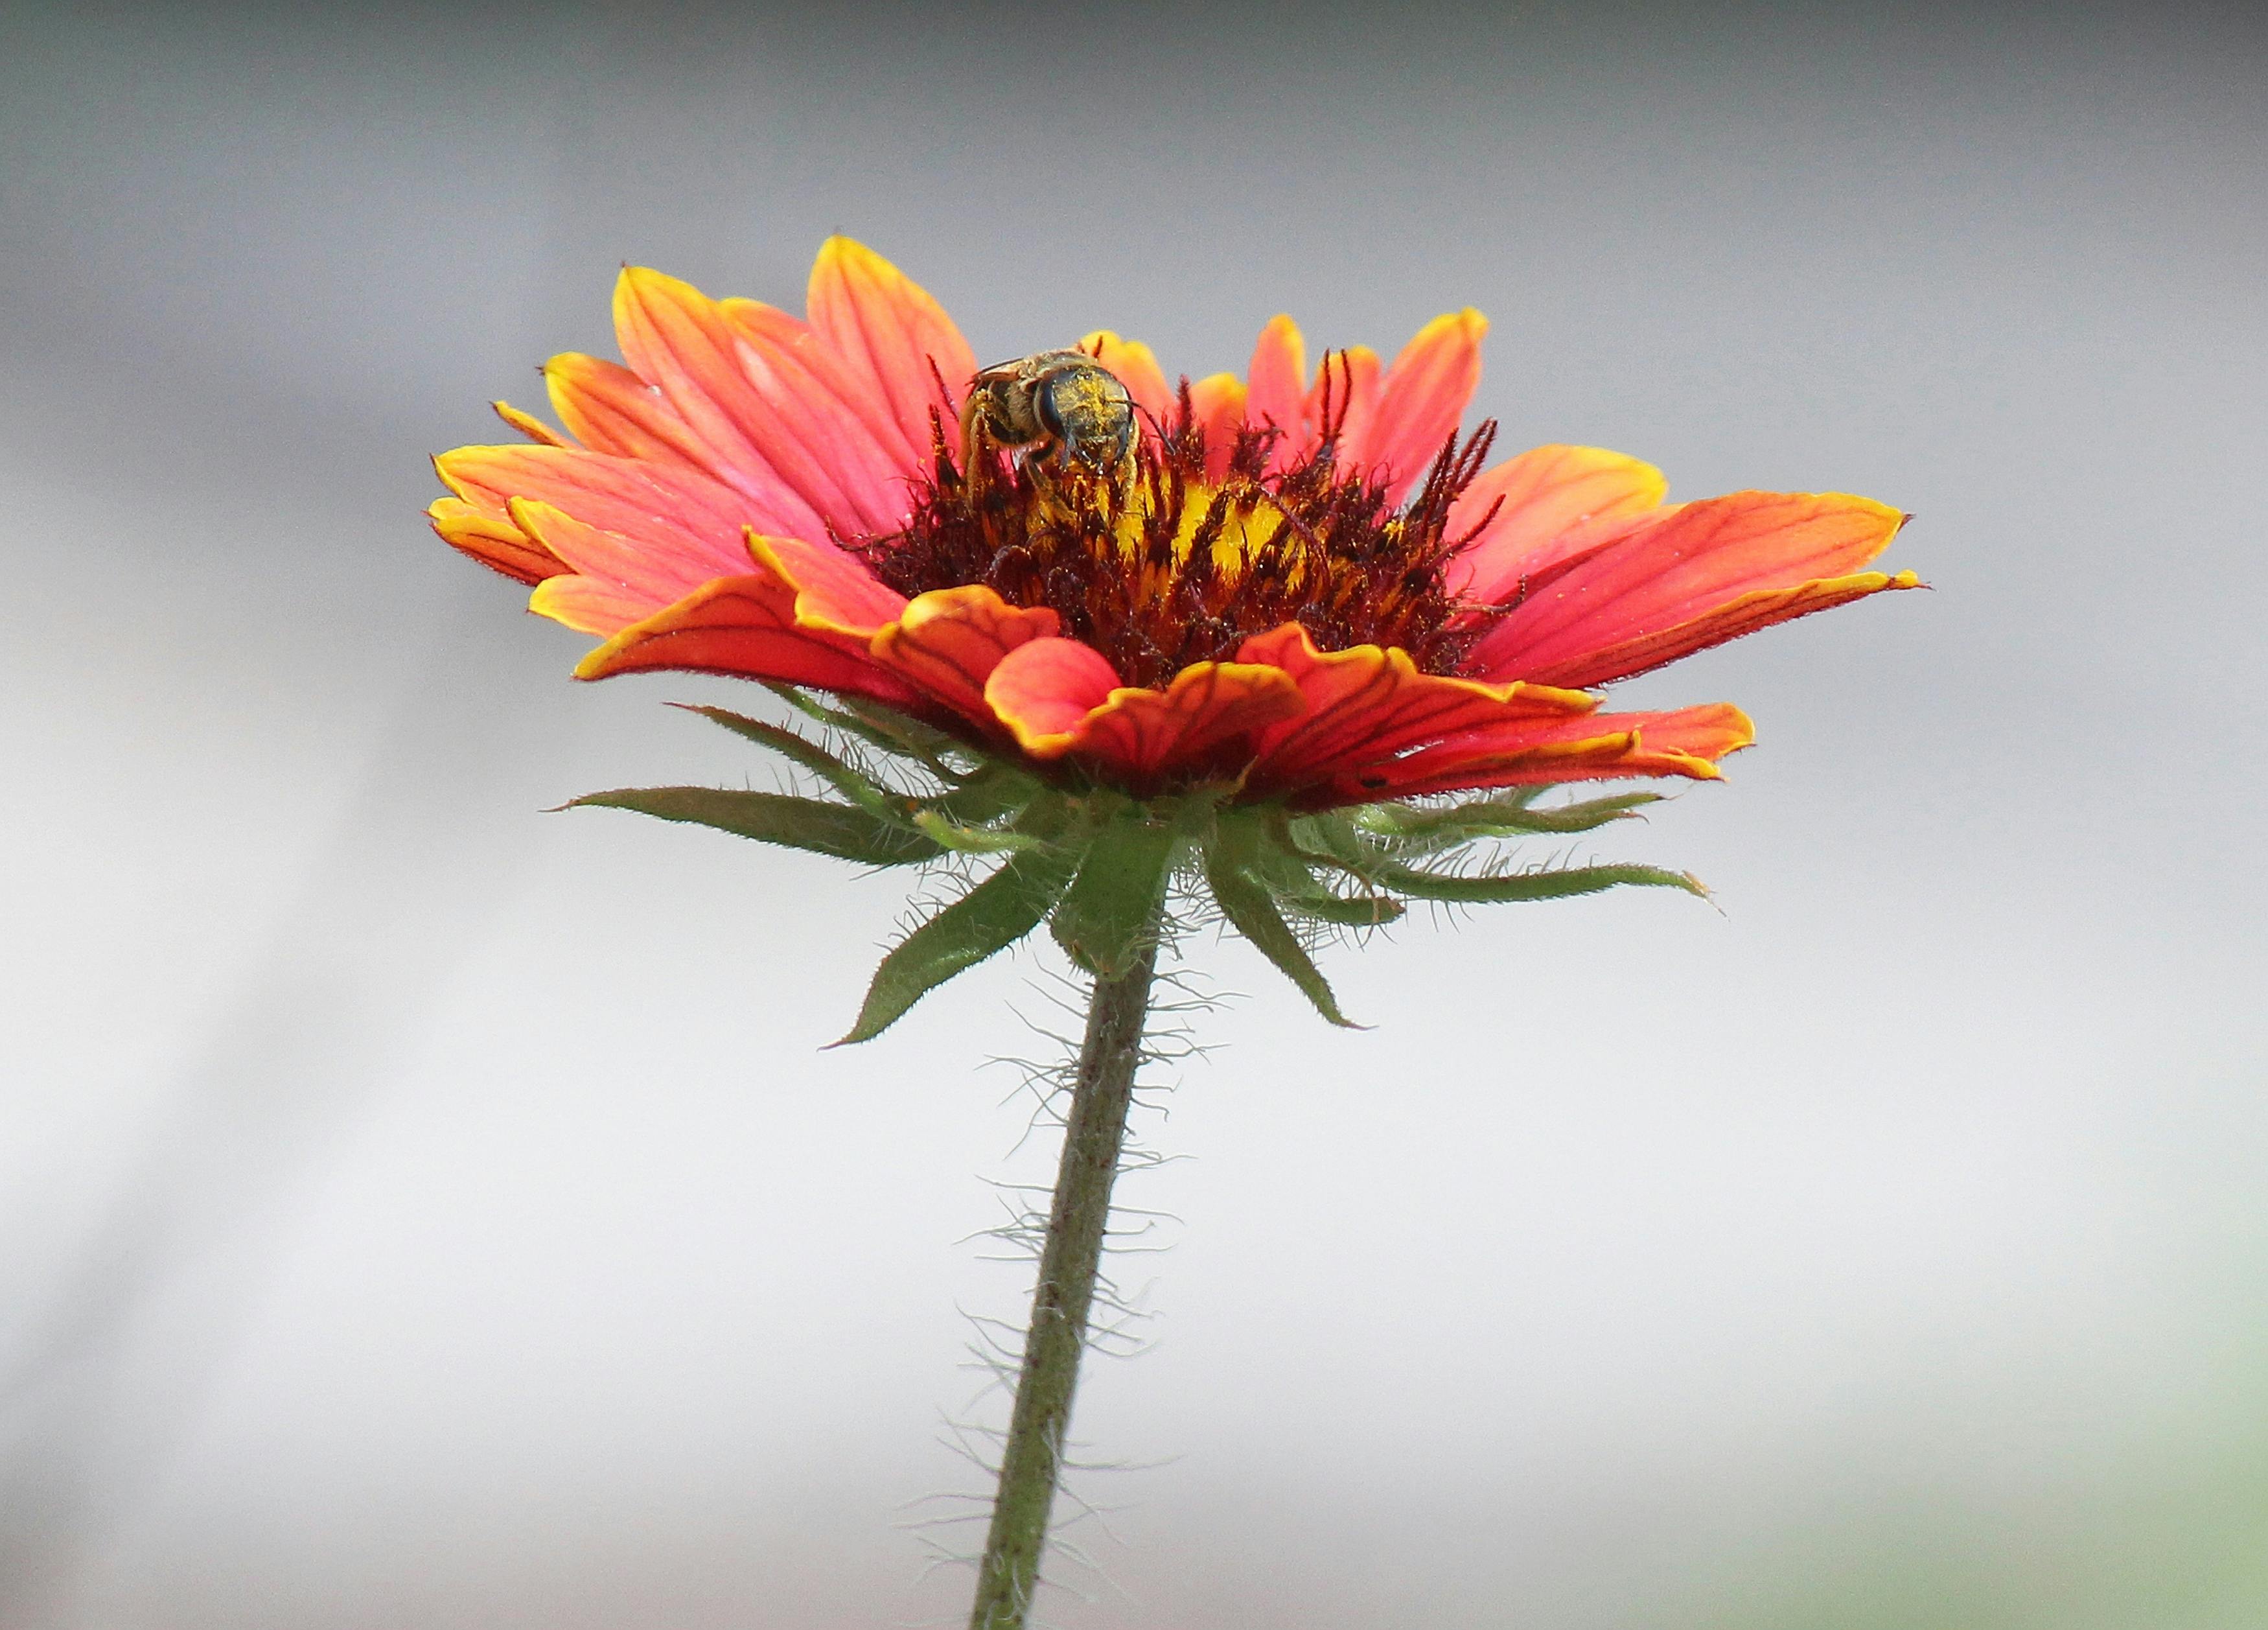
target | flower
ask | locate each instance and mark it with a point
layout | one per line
(1125, 636)
(1309, 588)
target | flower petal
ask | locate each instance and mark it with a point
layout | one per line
(944, 644)
(674, 507)
(1206, 718)
(948, 641)
(1277, 393)
(833, 594)
(1370, 704)
(1420, 403)
(588, 605)
(1704, 573)
(497, 543)
(1217, 405)
(676, 338)
(614, 412)
(1136, 365)
(1528, 511)
(888, 331)
(1687, 742)
(1342, 403)
(837, 418)
(529, 425)
(642, 572)
(743, 626)
(1045, 689)
(1060, 697)
(610, 409)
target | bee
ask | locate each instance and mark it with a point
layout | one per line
(1062, 400)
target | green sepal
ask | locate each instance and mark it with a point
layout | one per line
(990, 918)
(1490, 817)
(948, 834)
(1365, 911)
(986, 794)
(1290, 876)
(878, 726)
(887, 721)
(1110, 917)
(1330, 836)
(844, 779)
(837, 829)
(1484, 889)
(1250, 908)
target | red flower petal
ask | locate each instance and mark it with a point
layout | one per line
(1420, 403)
(944, 643)
(1217, 403)
(888, 331)
(1059, 697)
(1537, 752)
(673, 507)
(1531, 513)
(827, 415)
(529, 425)
(1147, 734)
(613, 411)
(1343, 398)
(497, 543)
(948, 641)
(1276, 389)
(589, 605)
(1043, 690)
(1371, 703)
(743, 626)
(674, 337)
(1701, 574)
(833, 594)
(641, 573)
(610, 409)
(811, 610)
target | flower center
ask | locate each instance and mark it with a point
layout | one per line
(1158, 564)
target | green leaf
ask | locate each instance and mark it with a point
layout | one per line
(835, 830)
(845, 780)
(1251, 909)
(1109, 918)
(1491, 817)
(1484, 889)
(992, 917)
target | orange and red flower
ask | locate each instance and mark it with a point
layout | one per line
(1306, 587)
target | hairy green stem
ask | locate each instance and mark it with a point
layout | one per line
(1069, 1262)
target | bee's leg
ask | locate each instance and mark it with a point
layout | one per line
(973, 415)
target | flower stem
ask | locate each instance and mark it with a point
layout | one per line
(1069, 1262)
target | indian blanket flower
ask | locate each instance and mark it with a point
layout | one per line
(1303, 593)
(1137, 640)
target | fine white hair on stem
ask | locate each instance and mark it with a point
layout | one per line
(950, 1526)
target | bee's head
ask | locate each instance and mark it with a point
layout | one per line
(1087, 411)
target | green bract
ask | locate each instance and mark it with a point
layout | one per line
(1103, 869)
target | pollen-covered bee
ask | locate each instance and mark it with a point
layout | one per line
(1062, 400)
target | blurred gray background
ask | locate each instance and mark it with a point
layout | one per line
(423, 1211)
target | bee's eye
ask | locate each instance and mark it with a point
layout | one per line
(1043, 405)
